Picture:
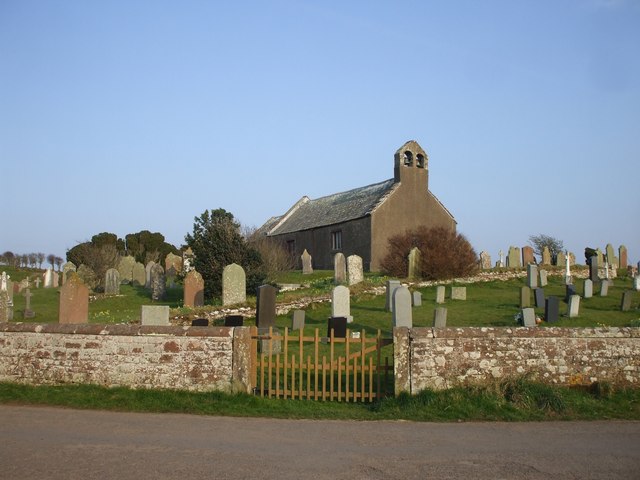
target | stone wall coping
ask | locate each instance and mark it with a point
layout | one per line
(118, 329)
(525, 332)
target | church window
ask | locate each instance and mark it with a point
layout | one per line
(336, 240)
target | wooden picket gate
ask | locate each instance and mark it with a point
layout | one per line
(329, 368)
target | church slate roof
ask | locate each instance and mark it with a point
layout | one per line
(330, 210)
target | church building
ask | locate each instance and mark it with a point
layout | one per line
(361, 221)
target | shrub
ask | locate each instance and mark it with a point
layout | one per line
(445, 254)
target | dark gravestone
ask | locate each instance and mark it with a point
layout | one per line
(569, 291)
(538, 295)
(233, 321)
(625, 304)
(552, 309)
(266, 306)
(593, 268)
(339, 326)
(200, 322)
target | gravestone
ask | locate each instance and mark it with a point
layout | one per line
(37, 282)
(28, 313)
(588, 288)
(269, 345)
(513, 257)
(4, 306)
(625, 304)
(561, 259)
(74, 301)
(88, 276)
(538, 296)
(600, 256)
(440, 293)
(552, 309)
(125, 267)
(416, 299)
(200, 322)
(234, 285)
(266, 306)
(546, 256)
(636, 283)
(402, 314)
(525, 297)
(414, 264)
(573, 309)
(440, 317)
(622, 253)
(193, 295)
(501, 263)
(604, 288)
(339, 326)
(611, 257)
(528, 317)
(147, 270)
(392, 285)
(158, 283)
(297, 320)
(155, 314)
(569, 291)
(112, 282)
(527, 255)
(354, 269)
(67, 268)
(339, 268)
(485, 260)
(532, 275)
(307, 266)
(543, 278)
(458, 293)
(593, 268)
(48, 278)
(572, 258)
(173, 267)
(233, 321)
(138, 275)
(341, 303)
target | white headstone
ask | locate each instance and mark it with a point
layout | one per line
(341, 303)
(402, 314)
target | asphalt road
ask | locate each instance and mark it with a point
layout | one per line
(54, 443)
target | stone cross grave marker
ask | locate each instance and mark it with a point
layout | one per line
(74, 301)
(157, 315)
(28, 313)
(112, 282)
(307, 264)
(392, 285)
(402, 314)
(440, 317)
(158, 282)
(414, 264)
(193, 295)
(532, 275)
(354, 269)
(266, 306)
(339, 268)
(234, 285)
(341, 303)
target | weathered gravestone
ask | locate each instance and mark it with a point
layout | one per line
(525, 297)
(416, 299)
(627, 297)
(513, 257)
(552, 309)
(414, 264)
(543, 278)
(193, 289)
(112, 282)
(600, 256)
(158, 282)
(588, 288)
(155, 314)
(604, 288)
(341, 303)
(67, 268)
(307, 264)
(527, 255)
(624, 259)
(561, 259)
(538, 296)
(234, 285)
(138, 275)
(28, 313)
(392, 285)
(339, 268)
(440, 317)
(573, 309)
(268, 344)
(532, 275)
(173, 266)
(546, 256)
(593, 268)
(88, 276)
(611, 257)
(4, 306)
(297, 320)
(125, 267)
(266, 306)
(402, 314)
(458, 293)
(74, 301)
(528, 317)
(440, 293)
(147, 271)
(354, 269)
(485, 260)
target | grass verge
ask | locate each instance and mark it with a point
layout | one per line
(511, 400)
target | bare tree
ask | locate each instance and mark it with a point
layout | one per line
(33, 260)
(51, 258)
(58, 261)
(538, 242)
(40, 257)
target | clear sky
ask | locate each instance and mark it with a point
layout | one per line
(121, 116)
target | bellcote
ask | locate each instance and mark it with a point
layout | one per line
(410, 161)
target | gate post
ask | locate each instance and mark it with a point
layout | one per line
(243, 360)
(401, 360)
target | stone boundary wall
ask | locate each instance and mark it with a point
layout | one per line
(166, 357)
(446, 357)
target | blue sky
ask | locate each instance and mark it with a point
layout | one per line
(123, 116)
